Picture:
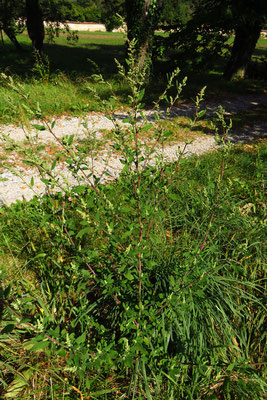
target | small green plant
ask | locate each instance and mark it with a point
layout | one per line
(132, 297)
(41, 66)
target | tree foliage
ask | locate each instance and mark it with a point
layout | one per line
(248, 18)
(109, 13)
(11, 19)
(202, 39)
(176, 12)
(15, 16)
(198, 28)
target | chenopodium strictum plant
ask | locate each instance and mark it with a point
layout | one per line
(123, 312)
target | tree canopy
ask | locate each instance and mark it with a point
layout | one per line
(197, 27)
(202, 36)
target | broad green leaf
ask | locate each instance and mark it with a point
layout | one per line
(168, 134)
(126, 234)
(40, 346)
(83, 231)
(173, 196)
(79, 189)
(81, 339)
(129, 276)
(39, 127)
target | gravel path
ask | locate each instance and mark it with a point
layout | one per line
(12, 188)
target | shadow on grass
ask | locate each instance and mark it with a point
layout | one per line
(260, 51)
(86, 60)
(75, 61)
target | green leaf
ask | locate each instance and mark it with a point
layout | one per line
(146, 127)
(201, 113)
(61, 353)
(173, 196)
(129, 276)
(126, 234)
(82, 232)
(141, 94)
(45, 181)
(53, 165)
(41, 255)
(168, 134)
(40, 346)
(126, 120)
(125, 169)
(81, 339)
(70, 140)
(104, 391)
(39, 127)
(41, 147)
(85, 273)
(79, 189)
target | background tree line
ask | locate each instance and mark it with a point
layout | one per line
(197, 29)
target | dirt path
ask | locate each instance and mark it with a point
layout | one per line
(106, 163)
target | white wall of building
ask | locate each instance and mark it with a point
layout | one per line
(84, 26)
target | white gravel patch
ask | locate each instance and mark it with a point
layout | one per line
(14, 188)
(106, 165)
(64, 126)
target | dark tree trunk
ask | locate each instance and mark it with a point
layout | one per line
(137, 24)
(141, 24)
(11, 35)
(35, 24)
(246, 37)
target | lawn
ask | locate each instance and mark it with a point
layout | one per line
(64, 88)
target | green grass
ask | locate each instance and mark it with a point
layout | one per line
(52, 289)
(150, 287)
(71, 70)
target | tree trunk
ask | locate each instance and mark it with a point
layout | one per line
(35, 24)
(11, 35)
(246, 37)
(141, 23)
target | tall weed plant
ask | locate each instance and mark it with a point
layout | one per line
(121, 305)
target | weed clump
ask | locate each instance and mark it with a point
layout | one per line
(138, 288)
